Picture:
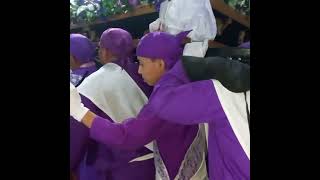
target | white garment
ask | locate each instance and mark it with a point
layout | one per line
(234, 106)
(196, 49)
(77, 109)
(113, 91)
(176, 16)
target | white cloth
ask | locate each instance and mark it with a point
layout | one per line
(77, 109)
(196, 49)
(183, 15)
(113, 91)
(234, 106)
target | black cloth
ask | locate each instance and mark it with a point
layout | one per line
(233, 74)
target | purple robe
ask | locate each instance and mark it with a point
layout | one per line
(96, 161)
(173, 140)
(196, 103)
(75, 126)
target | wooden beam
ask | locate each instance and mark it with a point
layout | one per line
(137, 11)
(227, 10)
(218, 5)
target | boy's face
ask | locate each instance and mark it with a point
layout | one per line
(151, 70)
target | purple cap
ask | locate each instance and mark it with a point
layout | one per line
(162, 45)
(118, 41)
(82, 48)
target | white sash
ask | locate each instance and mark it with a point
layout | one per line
(206, 129)
(193, 166)
(234, 106)
(113, 91)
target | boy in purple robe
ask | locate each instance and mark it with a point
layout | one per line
(117, 79)
(82, 64)
(227, 116)
(179, 150)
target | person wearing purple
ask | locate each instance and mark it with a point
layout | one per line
(82, 64)
(225, 112)
(105, 92)
(179, 150)
(227, 115)
(116, 46)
